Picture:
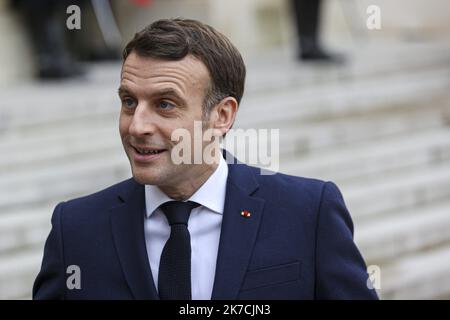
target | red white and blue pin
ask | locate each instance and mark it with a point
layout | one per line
(245, 213)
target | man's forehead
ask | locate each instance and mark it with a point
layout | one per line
(189, 69)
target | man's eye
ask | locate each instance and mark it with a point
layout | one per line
(128, 102)
(165, 105)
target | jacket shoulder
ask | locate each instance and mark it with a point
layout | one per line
(100, 200)
(285, 185)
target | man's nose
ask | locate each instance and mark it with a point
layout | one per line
(143, 122)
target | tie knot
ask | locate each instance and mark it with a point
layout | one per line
(177, 212)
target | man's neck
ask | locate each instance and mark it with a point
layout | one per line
(185, 189)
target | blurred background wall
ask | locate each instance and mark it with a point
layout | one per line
(378, 125)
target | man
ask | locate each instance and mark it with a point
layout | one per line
(207, 230)
(41, 19)
(307, 24)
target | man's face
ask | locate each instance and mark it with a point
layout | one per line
(157, 97)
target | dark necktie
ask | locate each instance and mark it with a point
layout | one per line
(174, 278)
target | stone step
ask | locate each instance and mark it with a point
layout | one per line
(413, 230)
(58, 140)
(344, 99)
(59, 147)
(380, 240)
(61, 182)
(80, 139)
(18, 272)
(368, 160)
(78, 171)
(421, 275)
(57, 103)
(397, 192)
(24, 229)
(264, 76)
(422, 227)
(404, 277)
(308, 138)
(324, 101)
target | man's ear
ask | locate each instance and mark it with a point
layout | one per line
(223, 115)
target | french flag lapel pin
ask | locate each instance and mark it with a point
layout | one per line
(245, 213)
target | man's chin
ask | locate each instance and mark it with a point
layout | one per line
(146, 178)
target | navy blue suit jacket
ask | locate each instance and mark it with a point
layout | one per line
(297, 243)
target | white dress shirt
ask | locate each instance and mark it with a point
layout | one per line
(204, 226)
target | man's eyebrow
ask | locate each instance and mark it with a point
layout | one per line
(167, 92)
(122, 91)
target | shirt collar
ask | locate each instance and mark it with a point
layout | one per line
(211, 194)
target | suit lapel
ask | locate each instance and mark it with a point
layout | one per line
(127, 223)
(238, 233)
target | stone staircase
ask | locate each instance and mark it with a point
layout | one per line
(379, 127)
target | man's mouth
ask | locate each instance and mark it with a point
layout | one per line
(147, 151)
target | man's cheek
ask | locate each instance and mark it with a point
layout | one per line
(123, 127)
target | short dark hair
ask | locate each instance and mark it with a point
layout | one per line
(173, 39)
